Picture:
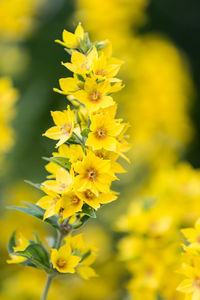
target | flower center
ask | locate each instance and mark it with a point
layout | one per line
(100, 133)
(89, 195)
(91, 174)
(61, 263)
(196, 282)
(100, 72)
(95, 96)
(85, 66)
(66, 129)
(75, 200)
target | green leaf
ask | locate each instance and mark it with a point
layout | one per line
(36, 185)
(11, 242)
(37, 212)
(80, 77)
(61, 161)
(85, 255)
(88, 210)
(38, 255)
(85, 132)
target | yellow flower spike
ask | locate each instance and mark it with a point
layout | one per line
(63, 130)
(63, 260)
(21, 244)
(95, 95)
(69, 204)
(94, 200)
(104, 131)
(62, 183)
(49, 203)
(72, 40)
(93, 174)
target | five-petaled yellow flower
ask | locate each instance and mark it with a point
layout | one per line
(93, 174)
(63, 260)
(64, 121)
(72, 40)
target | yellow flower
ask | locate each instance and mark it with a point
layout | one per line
(69, 85)
(93, 174)
(77, 245)
(193, 234)
(69, 204)
(191, 285)
(61, 184)
(21, 244)
(64, 122)
(49, 203)
(106, 67)
(112, 156)
(63, 260)
(104, 132)
(72, 40)
(94, 200)
(95, 95)
(80, 63)
(84, 270)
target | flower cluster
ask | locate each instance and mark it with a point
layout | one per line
(191, 263)
(90, 139)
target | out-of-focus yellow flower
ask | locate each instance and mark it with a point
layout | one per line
(21, 244)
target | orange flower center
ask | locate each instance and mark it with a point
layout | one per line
(89, 195)
(75, 200)
(95, 96)
(66, 129)
(61, 262)
(196, 282)
(91, 174)
(100, 72)
(100, 133)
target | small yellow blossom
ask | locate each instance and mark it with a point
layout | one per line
(80, 63)
(94, 200)
(63, 260)
(93, 174)
(72, 40)
(95, 95)
(61, 184)
(21, 244)
(64, 122)
(69, 204)
(104, 133)
(49, 203)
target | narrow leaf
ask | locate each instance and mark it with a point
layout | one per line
(61, 161)
(88, 210)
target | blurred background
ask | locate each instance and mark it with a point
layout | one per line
(138, 235)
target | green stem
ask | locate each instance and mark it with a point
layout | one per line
(58, 239)
(50, 277)
(46, 288)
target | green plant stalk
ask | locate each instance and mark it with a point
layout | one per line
(59, 239)
(47, 286)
